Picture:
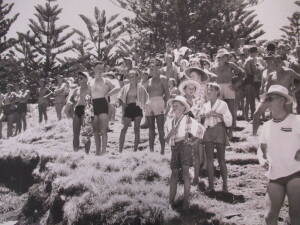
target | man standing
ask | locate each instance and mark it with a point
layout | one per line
(101, 88)
(23, 95)
(78, 98)
(280, 76)
(252, 71)
(60, 96)
(157, 88)
(43, 101)
(279, 142)
(225, 71)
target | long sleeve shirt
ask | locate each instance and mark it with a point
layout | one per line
(184, 126)
(142, 95)
(219, 107)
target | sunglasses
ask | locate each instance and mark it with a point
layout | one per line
(271, 98)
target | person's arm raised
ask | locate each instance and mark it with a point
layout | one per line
(113, 90)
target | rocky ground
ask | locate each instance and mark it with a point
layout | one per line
(44, 182)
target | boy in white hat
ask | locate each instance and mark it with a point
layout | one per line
(279, 142)
(189, 89)
(182, 131)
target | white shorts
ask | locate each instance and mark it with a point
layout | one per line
(227, 91)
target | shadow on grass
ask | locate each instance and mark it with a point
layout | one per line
(192, 216)
(226, 197)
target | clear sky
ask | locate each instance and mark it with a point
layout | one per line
(272, 13)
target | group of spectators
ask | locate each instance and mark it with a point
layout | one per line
(194, 99)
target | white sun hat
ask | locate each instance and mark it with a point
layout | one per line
(182, 100)
(279, 90)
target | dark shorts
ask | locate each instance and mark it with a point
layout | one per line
(132, 111)
(216, 134)
(285, 180)
(42, 106)
(79, 110)
(181, 155)
(22, 108)
(100, 105)
(9, 109)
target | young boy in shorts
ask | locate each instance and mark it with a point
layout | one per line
(182, 132)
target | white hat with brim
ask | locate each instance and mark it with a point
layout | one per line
(279, 90)
(201, 72)
(182, 100)
(187, 82)
(222, 52)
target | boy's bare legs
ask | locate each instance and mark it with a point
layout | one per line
(96, 130)
(222, 163)
(103, 119)
(137, 123)
(126, 123)
(173, 185)
(209, 151)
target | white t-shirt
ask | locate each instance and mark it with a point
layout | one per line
(283, 142)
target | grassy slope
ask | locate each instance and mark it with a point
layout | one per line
(118, 185)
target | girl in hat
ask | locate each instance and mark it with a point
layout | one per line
(217, 117)
(181, 132)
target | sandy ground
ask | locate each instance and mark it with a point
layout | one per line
(247, 178)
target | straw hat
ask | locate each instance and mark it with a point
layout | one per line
(182, 100)
(195, 66)
(279, 90)
(222, 52)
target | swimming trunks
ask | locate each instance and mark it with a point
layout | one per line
(9, 109)
(285, 180)
(79, 110)
(226, 91)
(181, 155)
(22, 107)
(155, 106)
(100, 105)
(132, 111)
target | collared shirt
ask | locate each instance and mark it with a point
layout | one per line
(219, 107)
(184, 126)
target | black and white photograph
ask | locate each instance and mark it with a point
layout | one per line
(149, 112)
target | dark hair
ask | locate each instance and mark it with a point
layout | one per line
(82, 74)
(253, 49)
(99, 63)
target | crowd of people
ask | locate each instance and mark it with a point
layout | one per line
(194, 100)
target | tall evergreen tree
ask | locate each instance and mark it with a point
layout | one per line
(49, 40)
(291, 32)
(193, 22)
(27, 54)
(103, 34)
(5, 24)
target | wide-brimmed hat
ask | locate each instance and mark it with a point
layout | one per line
(187, 82)
(182, 100)
(279, 90)
(222, 52)
(195, 66)
(109, 74)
